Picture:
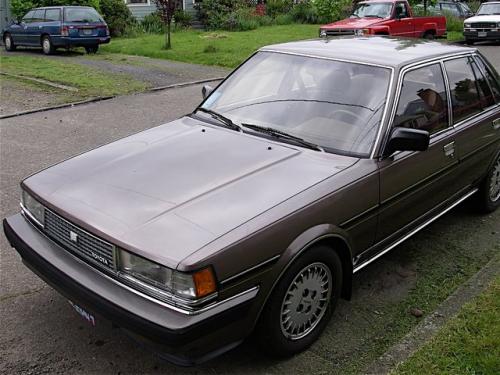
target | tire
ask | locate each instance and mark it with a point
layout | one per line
(488, 196)
(469, 42)
(9, 43)
(429, 35)
(47, 47)
(92, 49)
(298, 298)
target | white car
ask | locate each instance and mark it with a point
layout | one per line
(485, 25)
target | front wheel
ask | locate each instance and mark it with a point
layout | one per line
(9, 43)
(92, 49)
(469, 42)
(302, 303)
(489, 194)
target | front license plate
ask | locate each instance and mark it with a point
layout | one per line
(84, 314)
(482, 34)
(88, 31)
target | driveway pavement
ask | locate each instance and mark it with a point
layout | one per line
(41, 334)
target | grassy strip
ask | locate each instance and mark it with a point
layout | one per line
(467, 344)
(90, 82)
(221, 48)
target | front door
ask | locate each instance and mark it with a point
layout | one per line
(412, 184)
(34, 28)
(403, 23)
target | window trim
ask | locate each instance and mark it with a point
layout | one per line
(148, 3)
(476, 57)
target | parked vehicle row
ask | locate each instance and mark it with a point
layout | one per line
(387, 17)
(58, 27)
(485, 25)
(302, 167)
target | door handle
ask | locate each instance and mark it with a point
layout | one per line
(449, 149)
(496, 124)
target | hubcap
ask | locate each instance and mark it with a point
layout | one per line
(46, 45)
(8, 42)
(495, 182)
(306, 301)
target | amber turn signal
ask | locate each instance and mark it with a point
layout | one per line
(204, 281)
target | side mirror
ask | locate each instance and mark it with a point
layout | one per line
(407, 139)
(206, 90)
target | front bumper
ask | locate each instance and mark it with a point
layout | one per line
(180, 338)
(474, 35)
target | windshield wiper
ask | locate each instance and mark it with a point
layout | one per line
(228, 123)
(281, 134)
(373, 15)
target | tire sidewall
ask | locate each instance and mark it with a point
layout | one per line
(50, 49)
(488, 204)
(270, 334)
(9, 46)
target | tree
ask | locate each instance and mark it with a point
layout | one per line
(166, 9)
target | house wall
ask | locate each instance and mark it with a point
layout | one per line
(139, 11)
(5, 16)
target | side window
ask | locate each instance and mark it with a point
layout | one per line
(451, 9)
(401, 11)
(52, 15)
(485, 93)
(465, 90)
(423, 102)
(28, 17)
(38, 16)
(491, 76)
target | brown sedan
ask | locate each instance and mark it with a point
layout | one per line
(252, 213)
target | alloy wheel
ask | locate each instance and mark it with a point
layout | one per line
(8, 42)
(495, 182)
(306, 301)
(46, 46)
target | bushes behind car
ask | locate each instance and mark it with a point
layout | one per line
(117, 16)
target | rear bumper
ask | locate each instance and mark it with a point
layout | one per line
(62, 41)
(180, 338)
(474, 35)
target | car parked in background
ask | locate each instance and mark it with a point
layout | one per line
(387, 17)
(457, 9)
(309, 162)
(58, 27)
(485, 25)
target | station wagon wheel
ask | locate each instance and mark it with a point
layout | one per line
(489, 193)
(301, 303)
(9, 43)
(47, 46)
(92, 49)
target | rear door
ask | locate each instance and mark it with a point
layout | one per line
(413, 184)
(52, 24)
(34, 28)
(475, 95)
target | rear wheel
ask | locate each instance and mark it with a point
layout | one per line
(429, 35)
(47, 46)
(92, 49)
(9, 43)
(489, 194)
(302, 303)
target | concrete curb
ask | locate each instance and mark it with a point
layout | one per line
(42, 81)
(428, 328)
(102, 98)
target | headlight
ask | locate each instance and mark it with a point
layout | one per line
(187, 285)
(358, 32)
(467, 25)
(33, 208)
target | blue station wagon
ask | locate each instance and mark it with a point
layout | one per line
(54, 27)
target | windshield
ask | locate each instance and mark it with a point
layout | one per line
(81, 15)
(488, 9)
(335, 105)
(382, 10)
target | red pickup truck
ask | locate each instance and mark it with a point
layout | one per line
(386, 17)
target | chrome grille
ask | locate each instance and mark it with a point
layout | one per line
(484, 25)
(78, 241)
(338, 32)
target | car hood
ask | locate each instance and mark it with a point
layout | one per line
(353, 23)
(167, 192)
(485, 18)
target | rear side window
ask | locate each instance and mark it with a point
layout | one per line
(82, 15)
(467, 95)
(38, 16)
(491, 76)
(52, 15)
(423, 103)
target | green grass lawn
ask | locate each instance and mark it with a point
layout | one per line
(467, 344)
(221, 48)
(88, 81)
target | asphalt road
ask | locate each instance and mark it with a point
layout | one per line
(40, 332)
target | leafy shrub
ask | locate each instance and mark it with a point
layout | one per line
(117, 16)
(215, 13)
(182, 18)
(277, 7)
(153, 24)
(264, 20)
(20, 7)
(283, 19)
(332, 10)
(305, 12)
(242, 19)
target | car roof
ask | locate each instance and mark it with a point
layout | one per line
(375, 50)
